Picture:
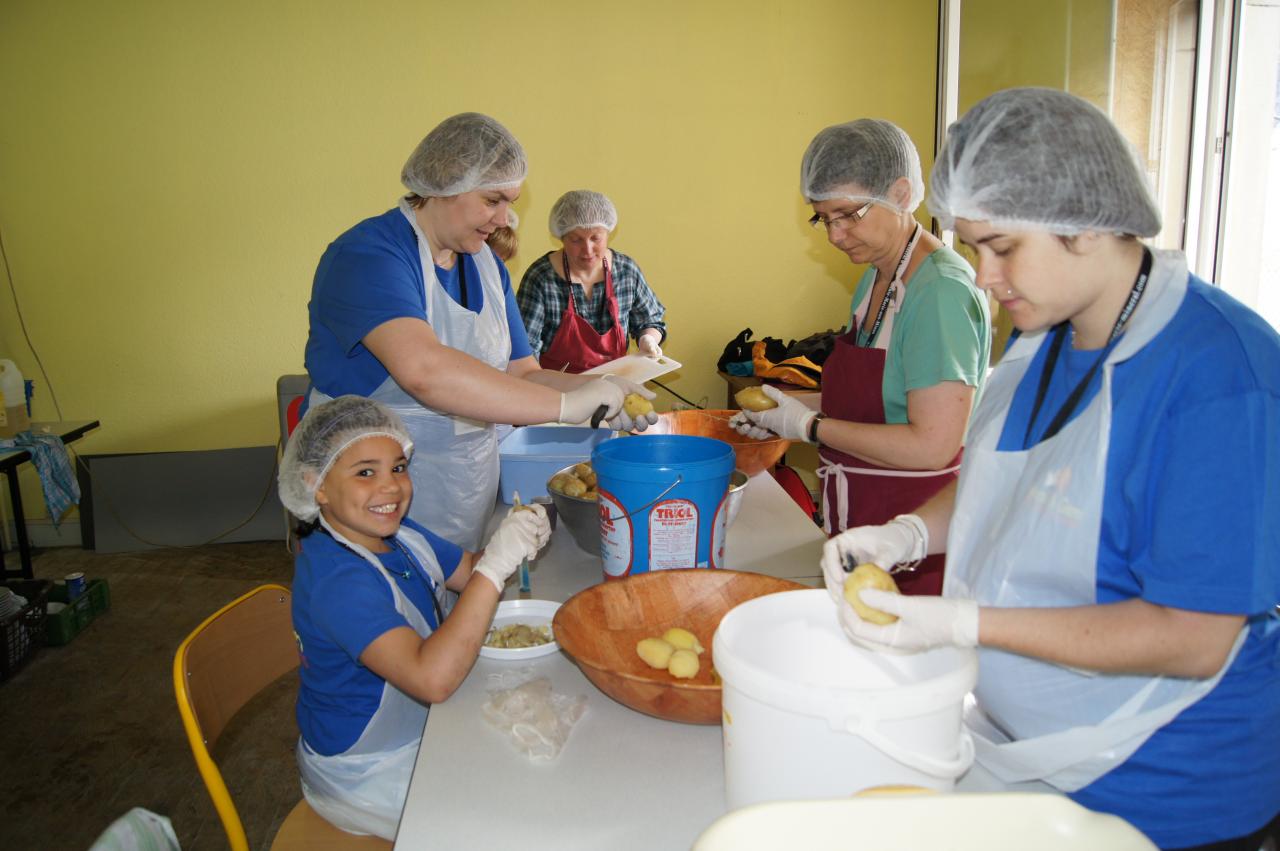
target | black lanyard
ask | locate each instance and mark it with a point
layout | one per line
(412, 563)
(1055, 348)
(870, 336)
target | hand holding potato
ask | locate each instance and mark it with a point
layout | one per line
(753, 399)
(869, 576)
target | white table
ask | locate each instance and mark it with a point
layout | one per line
(624, 780)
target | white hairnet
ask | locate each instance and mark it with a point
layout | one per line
(1045, 160)
(582, 208)
(861, 160)
(463, 153)
(324, 434)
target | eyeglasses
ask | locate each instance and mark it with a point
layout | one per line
(844, 221)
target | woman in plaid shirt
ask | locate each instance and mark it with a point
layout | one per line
(573, 322)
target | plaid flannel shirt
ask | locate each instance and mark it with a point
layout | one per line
(542, 302)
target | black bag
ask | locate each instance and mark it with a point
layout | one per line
(738, 351)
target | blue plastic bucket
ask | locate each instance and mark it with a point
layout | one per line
(662, 502)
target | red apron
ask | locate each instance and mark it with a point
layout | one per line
(577, 346)
(856, 492)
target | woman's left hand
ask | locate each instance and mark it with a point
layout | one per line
(789, 420)
(923, 622)
(624, 421)
(648, 344)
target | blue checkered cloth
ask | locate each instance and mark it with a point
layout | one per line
(53, 464)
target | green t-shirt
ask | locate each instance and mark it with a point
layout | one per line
(941, 333)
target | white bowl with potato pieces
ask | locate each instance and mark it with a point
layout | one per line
(511, 614)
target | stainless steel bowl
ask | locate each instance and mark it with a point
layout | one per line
(737, 484)
(580, 516)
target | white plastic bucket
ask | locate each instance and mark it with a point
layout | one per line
(807, 714)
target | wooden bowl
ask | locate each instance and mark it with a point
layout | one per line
(599, 628)
(752, 455)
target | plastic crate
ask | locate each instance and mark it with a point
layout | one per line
(65, 625)
(22, 633)
(532, 454)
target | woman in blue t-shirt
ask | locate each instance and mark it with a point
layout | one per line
(412, 308)
(1112, 544)
(379, 635)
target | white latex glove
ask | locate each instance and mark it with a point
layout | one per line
(903, 539)
(577, 405)
(923, 622)
(648, 344)
(789, 420)
(520, 535)
(623, 421)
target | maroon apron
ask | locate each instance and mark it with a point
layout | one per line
(576, 346)
(852, 389)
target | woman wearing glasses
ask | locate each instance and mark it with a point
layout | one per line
(899, 385)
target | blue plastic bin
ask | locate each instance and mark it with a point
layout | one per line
(532, 454)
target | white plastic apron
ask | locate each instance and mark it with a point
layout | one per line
(884, 335)
(1024, 533)
(455, 459)
(363, 789)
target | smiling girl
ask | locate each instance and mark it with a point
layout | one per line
(380, 635)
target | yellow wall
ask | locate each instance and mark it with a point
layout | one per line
(173, 170)
(1060, 44)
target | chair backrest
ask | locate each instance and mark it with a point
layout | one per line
(235, 653)
(290, 389)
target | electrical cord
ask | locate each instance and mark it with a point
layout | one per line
(22, 323)
(678, 396)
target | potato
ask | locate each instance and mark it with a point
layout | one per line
(591, 494)
(682, 639)
(655, 652)
(683, 665)
(584, 472)
(869, 576)
(753, 399)
(567, 484)
(637, 406)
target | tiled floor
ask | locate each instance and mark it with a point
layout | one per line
(90, 730)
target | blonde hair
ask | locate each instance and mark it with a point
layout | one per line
(505, 242)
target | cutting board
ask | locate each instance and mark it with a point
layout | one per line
(637, 368)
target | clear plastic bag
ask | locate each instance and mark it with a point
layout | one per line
(536, 719)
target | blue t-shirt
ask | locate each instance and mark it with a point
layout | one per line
(370, 275)
(1191, 520)
(340, 605)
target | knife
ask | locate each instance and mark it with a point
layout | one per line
(599, 415)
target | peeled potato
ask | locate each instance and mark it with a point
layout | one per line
(683, 665)
(682, 639)
(655, 652)
(584, 472)
(636, 406)
(753, 399)
(591, 494)
(869, 576)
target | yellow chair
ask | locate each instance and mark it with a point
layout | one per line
(237, 652)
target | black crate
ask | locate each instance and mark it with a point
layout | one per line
(22, 633)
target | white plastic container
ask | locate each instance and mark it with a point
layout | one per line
(13, 400)
(809, 715)
(1008, 821)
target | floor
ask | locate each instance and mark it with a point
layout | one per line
(91, 729)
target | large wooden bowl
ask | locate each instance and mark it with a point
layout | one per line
(600, 626)
(752, 455)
